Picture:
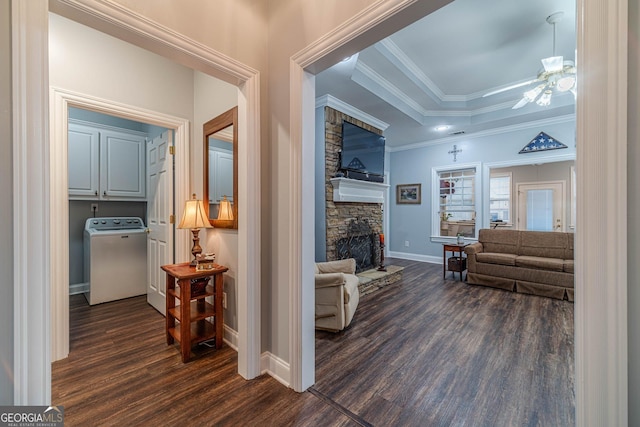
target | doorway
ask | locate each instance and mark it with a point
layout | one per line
(541, 206)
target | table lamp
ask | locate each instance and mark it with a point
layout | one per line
(194, 218)
(225, 212)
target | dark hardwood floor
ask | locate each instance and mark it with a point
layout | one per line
(422, 352)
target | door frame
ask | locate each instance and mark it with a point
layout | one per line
(601, 352)
(60, 101)
(563, 198)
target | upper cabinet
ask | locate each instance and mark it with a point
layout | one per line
(105, 163)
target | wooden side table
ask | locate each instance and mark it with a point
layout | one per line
(194, 313)
(453, 248)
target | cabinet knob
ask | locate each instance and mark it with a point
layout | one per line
(96, 192)
(104, 192)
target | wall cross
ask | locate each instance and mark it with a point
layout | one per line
(455, 152)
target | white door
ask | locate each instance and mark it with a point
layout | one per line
(541, 206)
(159, 212)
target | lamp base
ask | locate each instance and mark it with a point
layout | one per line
(196, 249)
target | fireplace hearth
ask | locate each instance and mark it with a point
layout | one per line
(361, 244)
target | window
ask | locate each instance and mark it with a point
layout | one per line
(500, 197)
(456, 202)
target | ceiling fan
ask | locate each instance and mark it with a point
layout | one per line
(557, 74)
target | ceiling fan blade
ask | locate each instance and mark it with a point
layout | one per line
(520, 104)
(504, 89)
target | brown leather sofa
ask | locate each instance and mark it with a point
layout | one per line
(530, 262)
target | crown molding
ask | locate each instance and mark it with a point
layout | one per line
(496, 131)
(350, 110)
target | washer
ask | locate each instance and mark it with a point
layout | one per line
(115, 258)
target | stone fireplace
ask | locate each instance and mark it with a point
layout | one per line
(361, 244)
(353, 212)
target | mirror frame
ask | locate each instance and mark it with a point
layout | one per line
(224, 120)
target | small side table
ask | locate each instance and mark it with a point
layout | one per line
(193, 313)
(453, 248)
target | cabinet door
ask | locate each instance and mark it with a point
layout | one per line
(83, 161)
(122, 165)
(220, 175)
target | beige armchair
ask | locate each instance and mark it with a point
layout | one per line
(337, 294)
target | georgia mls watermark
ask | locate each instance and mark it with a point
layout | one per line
(31, 416)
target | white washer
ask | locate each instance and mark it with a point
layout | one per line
(115, 258)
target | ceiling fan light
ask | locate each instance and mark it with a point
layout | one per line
(545, 99)
(566, 82)
(552, 64)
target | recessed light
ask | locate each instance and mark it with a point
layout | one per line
(442, 128)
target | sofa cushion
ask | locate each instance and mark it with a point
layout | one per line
(496, 258)
(499, 241)
(543, 244)
(540, 263)
(568, 266)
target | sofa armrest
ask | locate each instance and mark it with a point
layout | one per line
(326, 280)
(474, 248)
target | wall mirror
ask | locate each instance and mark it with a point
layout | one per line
(221, 169)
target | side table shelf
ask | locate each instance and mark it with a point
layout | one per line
(205, 320)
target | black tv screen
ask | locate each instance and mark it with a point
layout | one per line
(362, 150)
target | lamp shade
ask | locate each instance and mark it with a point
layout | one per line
(194, 215)
(225, 212)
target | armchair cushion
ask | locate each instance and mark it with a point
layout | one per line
(341, 266)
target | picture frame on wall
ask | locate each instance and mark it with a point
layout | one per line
(408, 194)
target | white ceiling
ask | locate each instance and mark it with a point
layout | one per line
(435, 71)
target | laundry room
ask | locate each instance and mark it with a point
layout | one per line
(107, 180)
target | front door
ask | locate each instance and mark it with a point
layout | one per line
(159, 212)
(541, 206)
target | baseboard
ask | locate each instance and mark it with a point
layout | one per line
(78, 288)
(276, 367)
(416, 257)
(230, 337)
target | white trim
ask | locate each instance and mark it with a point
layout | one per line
(416, 257)
(601, 252)
(78, 288)
(350, 110)
(435, 195)
(61, 100)
(489, 132)
(231, 337)
(31, 367)
(276, 367)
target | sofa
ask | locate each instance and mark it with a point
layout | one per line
(530, 262)
(337, 294)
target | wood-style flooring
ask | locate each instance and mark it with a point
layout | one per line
(423, 352)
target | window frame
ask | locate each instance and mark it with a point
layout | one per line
(435, 199)
(508, 223)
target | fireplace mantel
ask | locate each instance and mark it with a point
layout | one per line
(354, 190)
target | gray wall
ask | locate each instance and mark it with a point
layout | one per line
(633, 173)
(6, 209)
(79, 211)
(412, 223)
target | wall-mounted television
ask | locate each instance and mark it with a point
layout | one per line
(362, 155)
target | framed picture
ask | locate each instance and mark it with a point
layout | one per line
(408, 194)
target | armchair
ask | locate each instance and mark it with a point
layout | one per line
(337, 294)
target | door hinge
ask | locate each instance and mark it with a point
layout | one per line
(172, 219)
(172, 150)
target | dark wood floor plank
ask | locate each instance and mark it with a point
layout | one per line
(426, 351)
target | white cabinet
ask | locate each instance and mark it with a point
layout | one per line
(84, 161)
(220, 175)
(106, 163)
